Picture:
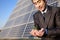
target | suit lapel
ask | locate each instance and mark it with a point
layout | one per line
(42, 23)
(45, 23)
(48, 16)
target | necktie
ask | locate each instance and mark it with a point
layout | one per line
(44, 16)
(46, 30)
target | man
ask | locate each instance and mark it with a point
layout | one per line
(46, 21)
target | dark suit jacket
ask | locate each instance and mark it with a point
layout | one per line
(51, 22)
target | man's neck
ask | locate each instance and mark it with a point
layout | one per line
(45, 10)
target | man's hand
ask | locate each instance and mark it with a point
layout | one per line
(41, 32)
(35, 32)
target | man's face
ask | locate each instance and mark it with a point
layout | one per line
(39, 4)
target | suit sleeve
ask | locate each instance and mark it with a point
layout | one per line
(58, 23)
(56, 31)
(36, 25)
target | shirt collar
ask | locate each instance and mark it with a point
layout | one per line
(44, 11)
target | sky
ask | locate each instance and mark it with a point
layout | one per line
(6, 7)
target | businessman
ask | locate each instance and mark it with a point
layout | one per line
(46, 21)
